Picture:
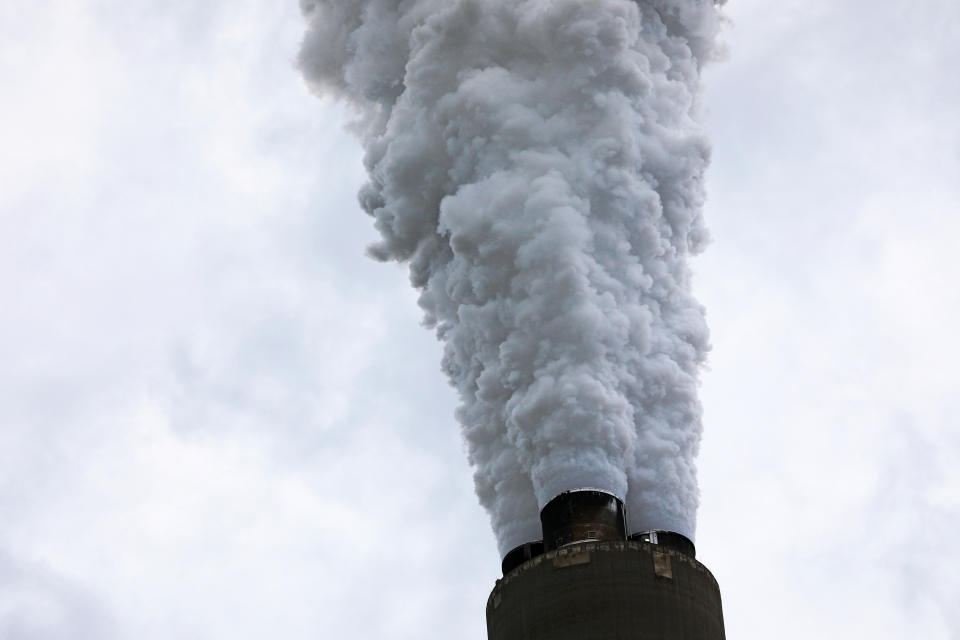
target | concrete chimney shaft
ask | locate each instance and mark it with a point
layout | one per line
(586, 581)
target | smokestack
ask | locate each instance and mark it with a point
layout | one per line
(629, 590)
(520, 554)
(579, 515)
(582, 515)
(587, 580)
(667, 539)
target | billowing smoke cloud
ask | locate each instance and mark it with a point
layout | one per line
(539, 165)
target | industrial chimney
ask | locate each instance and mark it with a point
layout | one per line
(586, 580)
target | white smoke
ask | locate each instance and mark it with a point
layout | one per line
(539, 165)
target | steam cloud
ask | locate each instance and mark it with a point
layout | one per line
(539, 165)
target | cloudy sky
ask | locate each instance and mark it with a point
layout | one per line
(218, 419)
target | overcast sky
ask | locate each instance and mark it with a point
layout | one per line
(218, 419)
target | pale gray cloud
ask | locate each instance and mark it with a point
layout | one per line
(38, 604)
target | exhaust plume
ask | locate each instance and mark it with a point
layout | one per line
(539, 166)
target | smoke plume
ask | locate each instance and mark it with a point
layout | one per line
(539, 166)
